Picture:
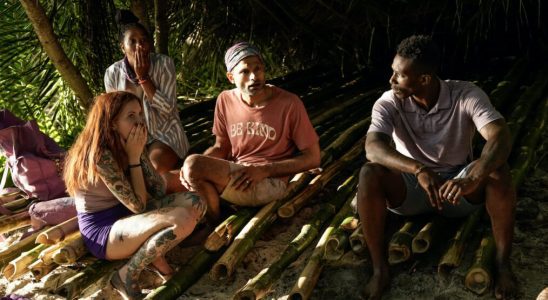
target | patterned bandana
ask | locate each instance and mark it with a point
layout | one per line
(238, 52)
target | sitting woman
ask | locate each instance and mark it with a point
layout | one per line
(151, 77)
(123, 211)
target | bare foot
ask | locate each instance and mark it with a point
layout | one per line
(377, 284)
(162, 266)
(506, 285)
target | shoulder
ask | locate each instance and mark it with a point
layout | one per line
(466, 90)
(115, 67)
(387, 101)
(160, 58)
(161, 61)
(227, 98)
(285, 98)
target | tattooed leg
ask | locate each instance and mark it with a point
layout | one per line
(156, 246)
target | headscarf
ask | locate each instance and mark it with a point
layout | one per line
(238, 52)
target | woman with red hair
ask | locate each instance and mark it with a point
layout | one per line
(123, 211)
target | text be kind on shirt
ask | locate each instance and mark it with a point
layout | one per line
(253, 128)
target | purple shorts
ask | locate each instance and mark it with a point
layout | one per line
(95, 227)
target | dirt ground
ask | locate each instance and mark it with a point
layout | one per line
(345, 279)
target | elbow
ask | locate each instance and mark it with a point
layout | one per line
(315, 162)
(370, 154)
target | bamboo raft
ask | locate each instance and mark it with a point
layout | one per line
(339, 111)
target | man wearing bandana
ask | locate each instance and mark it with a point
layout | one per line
(263, 135)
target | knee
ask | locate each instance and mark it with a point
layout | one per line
(183, 221)
(193, 166)
(370, 172)
(370, 180)
(163, 160)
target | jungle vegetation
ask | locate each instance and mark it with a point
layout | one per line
(53, 53)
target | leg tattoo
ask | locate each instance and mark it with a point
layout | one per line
(157, 245)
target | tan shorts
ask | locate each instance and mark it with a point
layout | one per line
(265, 191)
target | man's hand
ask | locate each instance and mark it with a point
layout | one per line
(248, 177)
(430, 183)
(453, 189)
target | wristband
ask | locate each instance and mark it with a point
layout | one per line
(134, 166)
(419, 170)
(142, 81)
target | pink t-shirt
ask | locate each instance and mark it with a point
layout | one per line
(259, 135)
(442, 137)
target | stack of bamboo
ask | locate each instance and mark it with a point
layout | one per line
(47, 248)
(339, 111)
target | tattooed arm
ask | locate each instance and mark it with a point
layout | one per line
(118, 184)
(155, 184)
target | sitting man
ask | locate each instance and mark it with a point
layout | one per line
(432, 123)
(258, 129)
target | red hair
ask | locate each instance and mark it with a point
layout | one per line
(97, 136)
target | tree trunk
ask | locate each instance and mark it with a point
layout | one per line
(55, 52)
(161, 28)
(139, 9)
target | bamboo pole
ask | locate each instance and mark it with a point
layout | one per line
(10, 194)
(19, 266)
(453, 255)
(431, 231)
(244, 241)
(309, 276)
(17, 248)
(58, 232)
(505, 89)
(38, 269)
(15, 221)
(70, 250)
(337, 245)
(18, 203)
(186, 277)
(357, 241)
(288, 209)
(399, 247)
(332, 129)
(257, 287)
(528, 146)
(47, 255)
(73, 286)
(339, 241)
(247, 237)
(528, 100)
(340, 108)
(479, 277)
(350, 223)
(344, 140)
(224, 232)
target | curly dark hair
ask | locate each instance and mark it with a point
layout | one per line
(126, 20)
(422, 50)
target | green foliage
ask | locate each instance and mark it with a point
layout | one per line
(292, 35)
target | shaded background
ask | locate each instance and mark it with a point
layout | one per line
(475, 37)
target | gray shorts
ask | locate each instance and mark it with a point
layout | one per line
(264, 192)
(417, 202)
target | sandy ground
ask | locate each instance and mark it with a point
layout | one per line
(344, 279)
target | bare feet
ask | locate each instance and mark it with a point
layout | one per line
(377, 284)
(505, 284)
(162, 266)
(127, 293)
